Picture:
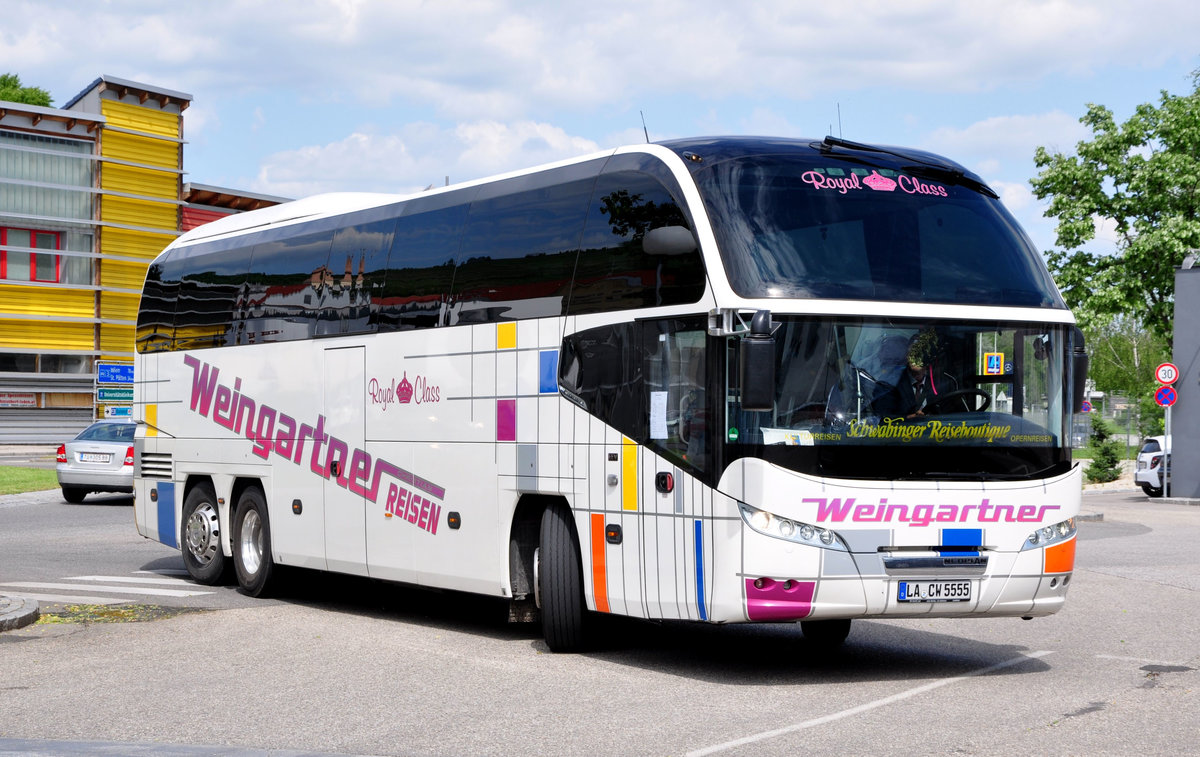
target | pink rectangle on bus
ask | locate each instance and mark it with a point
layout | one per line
(506, 420)
(779, 600)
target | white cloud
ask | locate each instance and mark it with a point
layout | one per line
(419, 155)
(477, 59)
(1011, 138)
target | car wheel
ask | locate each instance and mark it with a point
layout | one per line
(74, 494)
(202, 553)
(1152, 491)
(252, 544)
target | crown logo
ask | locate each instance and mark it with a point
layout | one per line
(404, 390)
(879, 183)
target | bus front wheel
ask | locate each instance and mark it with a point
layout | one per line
(202, 554)
(560, 582)
(826, 633)
(252, 544)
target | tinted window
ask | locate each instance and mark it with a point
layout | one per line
(1151, 445)
(156, 312)
(420, 265)
(834, 227)
(520, 244)
(211, 295)
(356, 272)
(285, 286)
(614, 271)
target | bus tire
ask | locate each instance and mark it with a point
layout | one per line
(203, 556)
(826, 633)
(560, 580)
(252, 544)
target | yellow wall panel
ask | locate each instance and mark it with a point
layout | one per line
(79, 303)
(47, 335)
(118, 306)
(142, 150)
(139, 212)
(139, 181)
(134, 244)
(122, 275)
(140, 118)
(116, 338)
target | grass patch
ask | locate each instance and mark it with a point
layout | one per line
(15, 480)
(128, 613)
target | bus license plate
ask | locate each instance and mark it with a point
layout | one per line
(94, 457)
(934, 591)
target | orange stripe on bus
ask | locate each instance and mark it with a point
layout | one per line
(599, 574)
(1060, 558)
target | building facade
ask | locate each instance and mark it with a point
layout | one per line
(90, 193)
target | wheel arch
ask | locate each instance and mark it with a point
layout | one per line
(523, 536)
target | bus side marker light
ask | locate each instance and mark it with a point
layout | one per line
(664, 482)
(454, 520)
(612, 533)
(298, 507)
(154, 494)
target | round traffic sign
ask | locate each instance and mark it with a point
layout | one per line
(1166, 373)
(1165, 396)
(1085, 407)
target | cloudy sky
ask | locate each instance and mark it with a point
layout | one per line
(296, 97)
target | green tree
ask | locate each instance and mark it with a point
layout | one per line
(1123, 356)
(12, 91)
(1143, 176)
(1105, 465)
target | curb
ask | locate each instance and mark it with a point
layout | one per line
(17, 612)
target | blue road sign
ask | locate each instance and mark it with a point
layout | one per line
(114, 373)
(1165, 396)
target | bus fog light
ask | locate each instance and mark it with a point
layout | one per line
(1054, 582)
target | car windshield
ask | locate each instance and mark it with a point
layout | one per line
(843, 227)
(886, 398)
(107, 432)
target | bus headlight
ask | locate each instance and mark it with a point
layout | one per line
(1044, 537)
(779, 527)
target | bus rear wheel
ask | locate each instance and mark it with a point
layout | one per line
(252, 544)
(826, 633)
(560, 582)
(202, 553)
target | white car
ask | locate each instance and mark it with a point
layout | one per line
(1153, 458)
(100, 459)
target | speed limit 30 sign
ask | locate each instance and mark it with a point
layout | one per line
(1166, 373)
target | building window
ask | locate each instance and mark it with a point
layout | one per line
(21, 259)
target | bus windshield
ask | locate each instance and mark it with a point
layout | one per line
(877, 398)
(839, 227)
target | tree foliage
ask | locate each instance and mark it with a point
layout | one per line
(1142, 176)
(1123, 356)
(12, 91)
(1106, 462)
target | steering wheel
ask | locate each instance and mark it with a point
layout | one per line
(942, 402)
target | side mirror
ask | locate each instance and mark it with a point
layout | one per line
(757, 364)
(669, 240)
(1079, 369)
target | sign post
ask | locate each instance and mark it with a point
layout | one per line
(1167, 374)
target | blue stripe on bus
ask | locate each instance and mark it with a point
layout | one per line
(548, 372)
(961, 537)
(166, 514)
(700, 570)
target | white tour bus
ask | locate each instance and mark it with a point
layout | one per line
(722, 380)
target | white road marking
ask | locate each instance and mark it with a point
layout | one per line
(108, 589)
(133, 580)
(862, 707)
(75, 599)
(1142, 660)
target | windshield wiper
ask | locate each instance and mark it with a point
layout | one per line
(923, 167)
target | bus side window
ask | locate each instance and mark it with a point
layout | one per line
(288, 278)
(614, 270)
(420, 267)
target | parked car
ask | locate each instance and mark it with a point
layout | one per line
(100, 459)
(1153, 459)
